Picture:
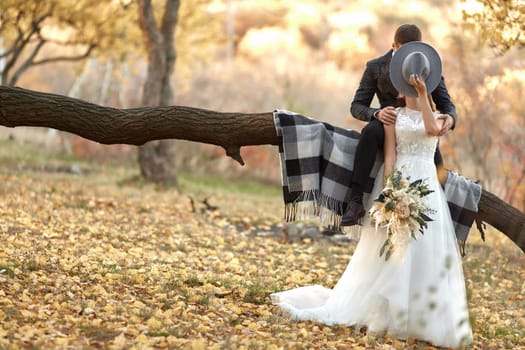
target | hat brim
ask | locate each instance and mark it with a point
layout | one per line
(396, 76)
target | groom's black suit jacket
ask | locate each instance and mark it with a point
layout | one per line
(376, 80)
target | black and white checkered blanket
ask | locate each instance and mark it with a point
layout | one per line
(317, 161)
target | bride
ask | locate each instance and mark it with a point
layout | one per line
(419, 292)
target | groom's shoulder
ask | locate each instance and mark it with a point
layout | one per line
(381, 59)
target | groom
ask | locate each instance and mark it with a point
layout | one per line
(376, 81)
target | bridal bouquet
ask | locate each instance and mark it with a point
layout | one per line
(400, 210)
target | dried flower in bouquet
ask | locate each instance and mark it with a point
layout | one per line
(401, 211)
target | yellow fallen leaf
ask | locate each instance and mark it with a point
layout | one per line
(120, 342)
(303, 332)
(198, 344)
(141, 338)
(153, 323)
(168, 314)
(235, 309)
(132, 331)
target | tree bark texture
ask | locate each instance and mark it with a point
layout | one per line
(157, 158)
(136, 126)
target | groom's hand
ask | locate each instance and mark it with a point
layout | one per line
(447, 124)
(387, 115)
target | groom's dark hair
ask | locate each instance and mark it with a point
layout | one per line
(407, 33)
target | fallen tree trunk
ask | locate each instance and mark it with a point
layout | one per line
(136, 126)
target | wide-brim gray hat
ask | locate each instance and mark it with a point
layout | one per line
(415, 57)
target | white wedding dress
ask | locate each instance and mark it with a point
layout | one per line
(418, 293)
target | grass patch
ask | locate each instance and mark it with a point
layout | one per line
(4, 270)
(158, 334)
(97, 333)
(15, 154)
(193, 281)
(258, 292)
(204, 300)
(198, 183)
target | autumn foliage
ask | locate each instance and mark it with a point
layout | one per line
(94, 259)
(91, 257)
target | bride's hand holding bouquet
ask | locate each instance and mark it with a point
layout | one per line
(400, 209)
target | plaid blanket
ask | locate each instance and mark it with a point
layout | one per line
(317, 160)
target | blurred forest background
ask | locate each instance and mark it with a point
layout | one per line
(260, 55)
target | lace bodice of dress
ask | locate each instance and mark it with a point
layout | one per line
(411, 137)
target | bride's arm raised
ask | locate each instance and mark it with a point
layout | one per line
(433, 126)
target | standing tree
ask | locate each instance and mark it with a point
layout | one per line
(156, 158)
(52, 31)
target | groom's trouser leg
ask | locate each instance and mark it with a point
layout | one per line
(372, 139)
(438, 160)
(442, 173)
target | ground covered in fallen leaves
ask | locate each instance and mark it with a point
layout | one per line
(92, 259)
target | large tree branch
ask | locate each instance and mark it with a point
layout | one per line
(503, 217)
(231, 131)
(136, 126)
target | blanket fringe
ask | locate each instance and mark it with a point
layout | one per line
(315, 205)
